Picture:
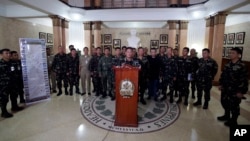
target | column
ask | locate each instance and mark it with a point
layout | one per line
(65, 33)
(209, 33)
(97, 33)
(98, 3)
(172, 33)
(183, 35)
(87, 34)
(218, 37)
(57, 32)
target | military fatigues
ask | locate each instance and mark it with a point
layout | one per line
(193, 82)
(161, 57)
(16, 82)
(59, 66)
(93, 67)
(73, 71)
(207, 69)
(184, 72)
(233, 80)
(105, 71)
(169, 72)
(143, 77)
(176, 81)
(116, 61)
(4, 85)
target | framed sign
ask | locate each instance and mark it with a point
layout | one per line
(164, 39)
(42, 35)
(49, 38)
(107, 39)
(230, 38)
(117, 43)
(240, 37)
(154, 43)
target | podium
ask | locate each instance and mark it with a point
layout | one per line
(126, 89)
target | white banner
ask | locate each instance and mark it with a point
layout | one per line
(34, 69)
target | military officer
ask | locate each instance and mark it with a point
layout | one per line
(207, 69)
(129, 58)
(123, 53)
(143, 74)
(73, 71)
(105, 72)
(184, 75)
(59, 66)
(233, 85)
(161, 56)
(169, 73)
(176, 57)
(84, 71)
(194, 60)
(93, 68)
(16, 62)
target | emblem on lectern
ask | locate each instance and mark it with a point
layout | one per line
(126, 88)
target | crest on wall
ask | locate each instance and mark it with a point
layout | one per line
(126, 88)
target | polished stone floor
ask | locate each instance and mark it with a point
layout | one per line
(60, 119)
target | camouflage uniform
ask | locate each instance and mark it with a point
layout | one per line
(93, 67)
(184, 71)
(5, 80)
(134, 62)
(116, 61)
(59, 66)
(73, 71)
(16, 82)
(195, 67)
(105, 71)
(233, 80)
(161, 87)
(143, 74)
(207, 69)
(169, 72)
(176, 81)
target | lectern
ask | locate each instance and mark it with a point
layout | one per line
(126, 89)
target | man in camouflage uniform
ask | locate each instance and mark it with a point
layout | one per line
(143, 74)
(105, 72)
(123, 51)
(176, 57)
(116, 61)
(161, 56)
(93, 68)
(233, 85)
(169, 73)
(59, 66)
(17, 73)
(194, 60)
(184, 75)
(73, 71)
(207, 69)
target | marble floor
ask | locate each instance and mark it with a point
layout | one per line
(60, 119)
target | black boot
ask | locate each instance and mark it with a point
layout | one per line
(186, 101)
(104, 94)
(164, 97)
(66, 91)
(112, 98)
(171, 97)
(205, 106)
(225, 117)
(199, 95)
(197, 103)
(77, 90)
(5, 113)
(180, 99)
(70, 91)
(60, 92)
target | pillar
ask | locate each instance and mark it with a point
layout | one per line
(209, 33)
(183, 35)
(98, 3)
(218, 37)
(97, 34)
(65, 33)
(172, 33)
(87, 34)
(57, 32)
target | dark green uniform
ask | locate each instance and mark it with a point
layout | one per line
(105, 71)
(195, 67)
(116, 61)
(233, 80)
(205, 74)
(143, 76)
(93, 67)
(59, 66)
(73, 71)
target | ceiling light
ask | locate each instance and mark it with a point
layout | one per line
(76, 14)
